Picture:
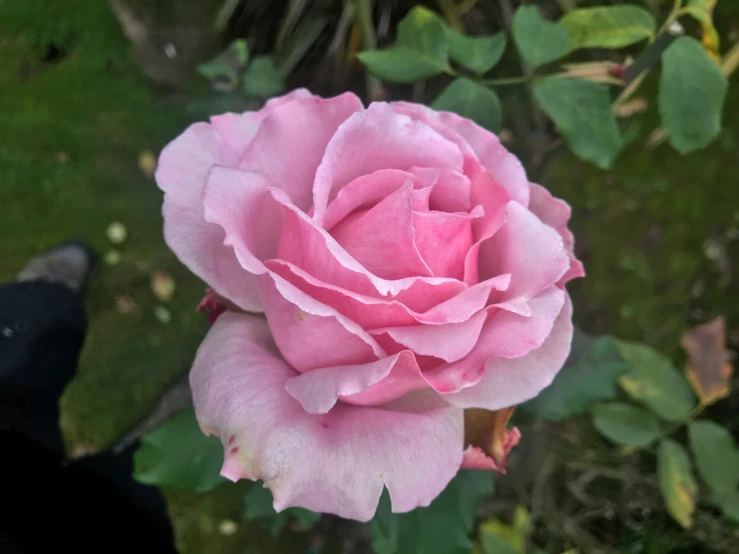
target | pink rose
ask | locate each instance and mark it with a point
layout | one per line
(407, 270)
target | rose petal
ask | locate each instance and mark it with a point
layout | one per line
(318, 390)
(443, 240)
(383, 238)
(556, 213)
(183, 167)
(310, 334)
(337, 462)
(473, 139)
(510, 381)
(199, 245)
(374, 313)
(505, 334)
(366, 191)
(378, 138)
(241, 203)
(315, 251)
(291, 140)
(450, 342)
(531, 251)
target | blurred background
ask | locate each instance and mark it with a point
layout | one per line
(90, 91)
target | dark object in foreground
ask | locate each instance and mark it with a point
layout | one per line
(46, 504)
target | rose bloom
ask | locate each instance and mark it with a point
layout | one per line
(389, 278)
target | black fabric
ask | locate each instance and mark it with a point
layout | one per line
(47, 504)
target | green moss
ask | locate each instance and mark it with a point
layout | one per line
(642, 230)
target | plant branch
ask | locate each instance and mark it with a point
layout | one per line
(369, 42)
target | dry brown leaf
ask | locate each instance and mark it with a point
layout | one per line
(147, 163)
(708, 370)
(632, 107)
(487, 430)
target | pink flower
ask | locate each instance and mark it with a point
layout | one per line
(407, 270)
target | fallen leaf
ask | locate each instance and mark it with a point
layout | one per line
(126, 304)
(163, 285)
(116, 232)
(708, 370)
(147, 163)
(112, 257)
(163, 314)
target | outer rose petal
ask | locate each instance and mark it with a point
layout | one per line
(182, 171)
(506, 335)
(242, 204)
(510, 381)
(378, 138)
(556, 213)
(291, 141)
(471, 138)
(337, 462)
(532, 252)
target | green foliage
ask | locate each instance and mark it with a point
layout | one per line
(692, 91)
(178, 454)
(653, 380)
(676, 481)
(228, 65)
(420, 52)
(582, 112)
(716, 455)
(608, 26)
(717, 459)
(539, 41)
(258, 506)
(262, 79)
(626, 424)
(472, 100)
(497, 537)
(589, 375)
(478, 54)
(441, 528)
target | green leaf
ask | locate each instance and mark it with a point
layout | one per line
(608, 26)
(589, 375)
(471, 100)
(692, 90)
(497, 537)
(228, 64)
(179, 455)
(399, 65)
(442, 528)
(240, 49)
(626, 424)
(539, 41)
(729, 504)
(422, 31)
(653, 380)
(420, 52)
(478, 54)
(258, 505)
(582, 112)
(716, 455)
(262, 79)
(676, 481)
